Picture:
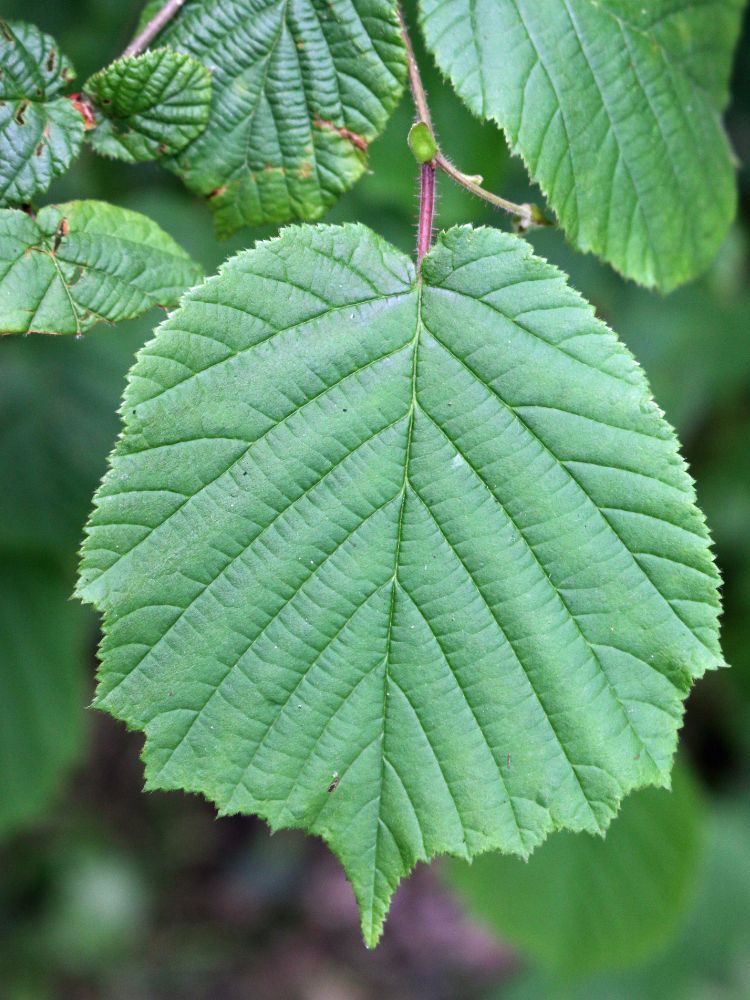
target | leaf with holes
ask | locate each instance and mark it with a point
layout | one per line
(615, 107)
(85, 261)
(583, 904)
(150, 105)
(414, 566)
(40, 130)
(299, 90)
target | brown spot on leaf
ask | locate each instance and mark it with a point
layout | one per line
(61, 232)
(20, 115)
(218, 192)
(353, 137)
(39, 149)
(305, 170)
(6, 32)
(51, 60)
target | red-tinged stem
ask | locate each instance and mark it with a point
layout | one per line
(426, 210)
(152, 29)
(427, 170)
(526, 216)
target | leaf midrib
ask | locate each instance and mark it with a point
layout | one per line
(414, 346)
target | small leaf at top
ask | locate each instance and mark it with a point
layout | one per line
(615, 106)
(85, 261)
(40, 130)
(413, 565)
(299, 90)
(150, 105)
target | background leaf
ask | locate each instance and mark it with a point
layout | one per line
(709, 958)
(85, 261)
(299, 90)
(363, 575)
(615, 108)
(150, 105)
(40, 130)
(584, 903)
(42, 687)
(58, 401)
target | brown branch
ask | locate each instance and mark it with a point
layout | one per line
(415, 78)
(157, 23)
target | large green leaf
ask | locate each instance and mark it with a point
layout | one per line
(85, 261)
(414, 566)
(582, 904)
(615, 106)
(299, 90)
(150, 105)
(42, 686)
(40, 130)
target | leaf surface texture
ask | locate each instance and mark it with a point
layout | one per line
(150, 105)
(84, 261)
(415, 566)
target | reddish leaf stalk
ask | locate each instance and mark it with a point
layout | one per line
(426, 210)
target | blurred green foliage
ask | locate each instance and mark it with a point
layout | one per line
(583, 903)
(93, 895)
(709, 959)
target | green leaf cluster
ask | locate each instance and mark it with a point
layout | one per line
(406, 557)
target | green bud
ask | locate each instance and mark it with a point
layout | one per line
(422, 142)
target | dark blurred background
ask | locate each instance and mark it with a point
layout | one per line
(107, 892)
